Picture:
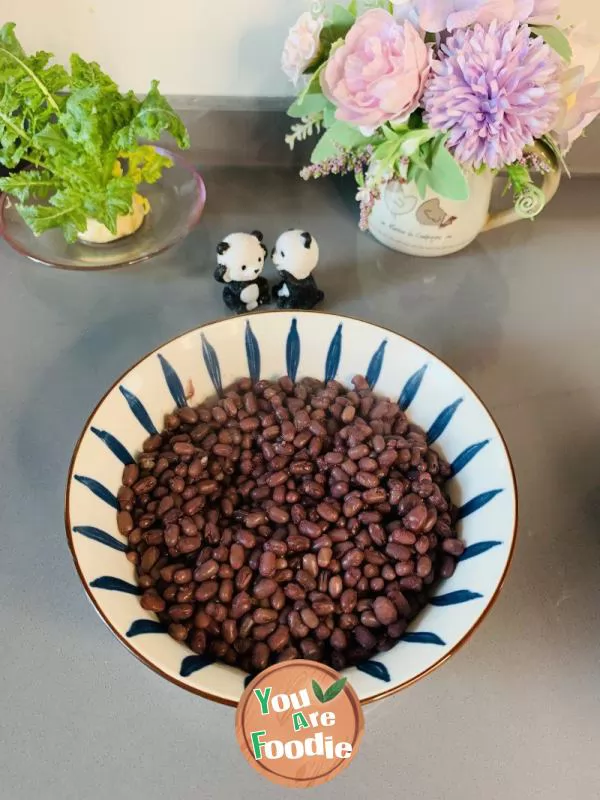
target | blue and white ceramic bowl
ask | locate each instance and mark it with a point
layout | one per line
(298, 344)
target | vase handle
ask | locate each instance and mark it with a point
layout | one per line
(549, 187)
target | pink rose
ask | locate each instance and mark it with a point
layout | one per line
(301, 46)
(379, 73)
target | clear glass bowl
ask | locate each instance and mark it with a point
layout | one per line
(177, 202)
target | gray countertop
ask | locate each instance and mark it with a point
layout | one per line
(516, 713)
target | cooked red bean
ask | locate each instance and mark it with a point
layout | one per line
(153, 602)
(130, 475)
(453, 547)
(278, 515)
(288, 520)
(125, 522)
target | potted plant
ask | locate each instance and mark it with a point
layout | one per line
(425, 102)
(84, 142)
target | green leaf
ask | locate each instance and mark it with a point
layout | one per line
(311, 104)
(15, 66)
(399, 127)
(422, 180)
(65, 211)
(114, 200)
(390, 135)
(318, 692)
(80, 122)
(329, 115)
(386, 151)
(353, 8)
(436, 144)
(413, 140)
(555, 150)
(13, 139)
(415, 120)
(555, 38)
(325, 149)
(312, 87)
(27, 184)
(85, 74)
(145, 164)
(341, 136)
(447, 178)
(518, 176)
(154, 117)
(335, 689)
(342, 17)
(9, 42)
(341, 22)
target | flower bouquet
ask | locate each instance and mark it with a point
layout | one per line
(426, 100)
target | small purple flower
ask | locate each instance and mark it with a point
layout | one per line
(494, 90)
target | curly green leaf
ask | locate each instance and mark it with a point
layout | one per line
(145, 164)
(154, 117)
(27, 184)
(14, 63)
(65, 211)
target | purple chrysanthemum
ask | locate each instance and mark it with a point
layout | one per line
(494, 90)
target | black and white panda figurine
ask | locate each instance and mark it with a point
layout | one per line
(296, 255)
(241, 261)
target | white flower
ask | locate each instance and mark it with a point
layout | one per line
(302, 45)
(363, 195)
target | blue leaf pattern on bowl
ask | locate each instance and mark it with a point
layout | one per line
(173, 382)
(212, 364)
(98, 489)
(139, 411)
(292, 350)
(477, 503)
(461, 461)
(253, 354)
(143, 626)
(334, 355)
(112, 584)
(114, 445)
(423, 637)
(376, 670)
(442, 422)
(374, 370)
(411, 389)
(191, 664)
(98, 535)
(478, 549)
(454, 598)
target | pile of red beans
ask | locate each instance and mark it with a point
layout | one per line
(288, 520)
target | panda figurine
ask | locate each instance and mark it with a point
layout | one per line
(296, 255)
(241, 260)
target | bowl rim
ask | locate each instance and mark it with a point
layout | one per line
(225, 701)
(194, 218)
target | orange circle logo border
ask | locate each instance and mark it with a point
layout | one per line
(290, 679)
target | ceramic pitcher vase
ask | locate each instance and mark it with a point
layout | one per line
(434, 226)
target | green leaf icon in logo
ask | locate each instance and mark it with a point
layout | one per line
(318, 692)
(331, 693)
